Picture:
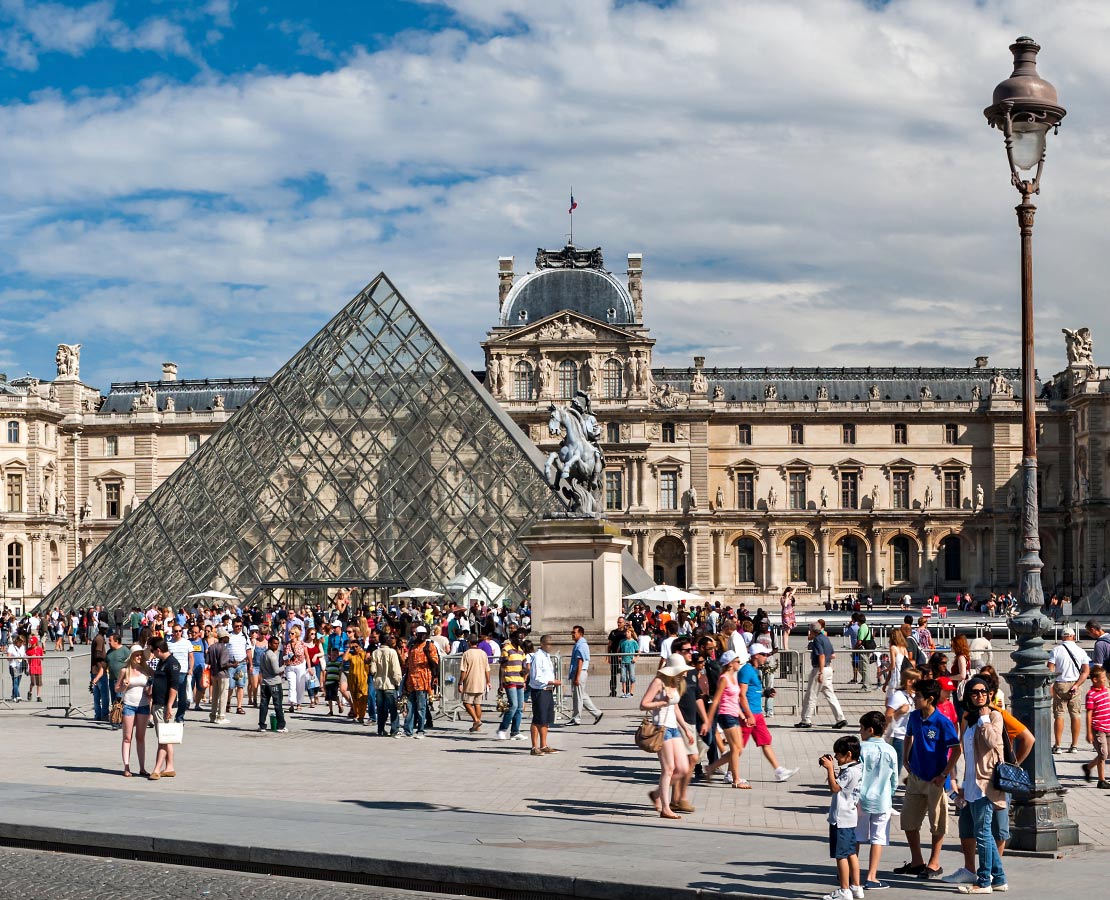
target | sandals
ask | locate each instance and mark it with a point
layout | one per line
(742, 785)
(667, 814)
(653, 796)
(127, 774)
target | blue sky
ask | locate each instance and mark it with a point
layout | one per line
(811, 182)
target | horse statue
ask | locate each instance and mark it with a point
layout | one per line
(575, 469)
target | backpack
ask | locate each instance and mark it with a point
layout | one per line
(868, 642)
(915, 656)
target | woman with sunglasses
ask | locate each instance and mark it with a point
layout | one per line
(134, 686)
(981, 740)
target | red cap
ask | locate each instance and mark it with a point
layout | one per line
(946, 683)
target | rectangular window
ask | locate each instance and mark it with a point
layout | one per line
(15, 493)
(111, 445)
(951, 433)
(797, 490)
(668, 490)
(614, 490)
(745, 434)
(952, 490)
(745, 490)
(13, 432)
(849, 490)
(900, 489)
(111, 501)
(613, 433)
(192, 443)
(668, 432)
(797, 434)
(901, 433)
(847, 434)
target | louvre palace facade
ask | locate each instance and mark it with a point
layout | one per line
(732, 481)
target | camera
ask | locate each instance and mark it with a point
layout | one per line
(824, 756)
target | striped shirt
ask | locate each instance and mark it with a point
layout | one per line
(512, 666)
(1098, 702)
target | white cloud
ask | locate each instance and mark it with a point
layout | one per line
(810, 182)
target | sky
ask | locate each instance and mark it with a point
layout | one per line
(811, 182)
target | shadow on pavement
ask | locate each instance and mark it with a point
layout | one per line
(90, 770)
(587, 808)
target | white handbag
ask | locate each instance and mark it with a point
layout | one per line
(169, 732)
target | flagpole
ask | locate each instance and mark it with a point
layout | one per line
(571, 212)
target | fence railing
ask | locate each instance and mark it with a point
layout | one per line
(55, 684)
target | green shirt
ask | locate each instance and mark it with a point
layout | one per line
(334, 669)
(117, 659)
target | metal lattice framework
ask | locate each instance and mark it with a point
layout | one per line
(371, 456)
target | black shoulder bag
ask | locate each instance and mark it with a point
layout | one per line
(1008, 775)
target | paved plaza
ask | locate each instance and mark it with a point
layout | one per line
(460, 810)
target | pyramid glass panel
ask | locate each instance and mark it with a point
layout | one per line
(372, 457)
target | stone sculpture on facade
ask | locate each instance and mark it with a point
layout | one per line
(68, 360)
(576, 469)
(926, 392)
(565, 329)
(770, 392)
(822, 392)
(824, 497)
(1080, 346)
(1000, 387)
(772, 498)
(86, 510)
(544, 370)
(218, 402)
(928, 497)
(147, 398)
(171, 404)
(980, 498)
(875, 496)
(699, 384)
(589, 373)
(689, 500)
(61, 507)
(873, 392)
(666, 397)
(720, 504)
(976, 393)
(718, 392)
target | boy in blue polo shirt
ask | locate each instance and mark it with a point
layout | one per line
(931, 750)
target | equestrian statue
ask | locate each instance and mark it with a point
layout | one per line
(575, 470)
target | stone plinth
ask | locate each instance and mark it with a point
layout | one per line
(575, 576)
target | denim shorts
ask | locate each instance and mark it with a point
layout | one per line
(256, 670)
(842, 842)
(726, 721)
(628, 672)
(672, 733)
(238, 676)
(136, 710)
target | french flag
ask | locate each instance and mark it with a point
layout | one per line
(573, 205)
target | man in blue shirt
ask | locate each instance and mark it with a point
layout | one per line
(820, 677)
(751, 705)
(931, 750)
(579, 671)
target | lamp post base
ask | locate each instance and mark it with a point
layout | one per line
(1041, 824)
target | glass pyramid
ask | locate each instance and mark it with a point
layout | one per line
(373, 457)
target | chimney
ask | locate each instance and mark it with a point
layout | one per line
(504, 278)
(169, 371)
(981, 362)
(699, 362)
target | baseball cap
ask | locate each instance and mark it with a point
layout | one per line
(946, 683)
(336, 624)
(1069, 630)
(759, 648)
(727, 657)
(221, 633)
(421, 630)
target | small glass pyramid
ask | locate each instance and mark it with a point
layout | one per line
(373, 458)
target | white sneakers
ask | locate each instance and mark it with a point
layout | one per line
(840, 894)
(782, 773)
(502, 735)
(519, 736)
(960, 876)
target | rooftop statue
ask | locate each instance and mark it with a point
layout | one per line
(575, 469)
(1080, 346)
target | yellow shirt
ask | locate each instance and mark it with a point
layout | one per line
(357, 673)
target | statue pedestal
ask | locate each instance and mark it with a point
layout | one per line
(575, 577)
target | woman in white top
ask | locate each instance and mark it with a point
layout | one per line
(661, 700)
(899, 705)
(17, 658)
(897, 654)
(134, 688)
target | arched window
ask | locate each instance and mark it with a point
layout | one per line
(15, 566)
(614, 379)
(849, 559)
(900, 555)
(950, 558)
(568, 378)
(13, 432)
(796, 548)
(524, 385)
(745, 561)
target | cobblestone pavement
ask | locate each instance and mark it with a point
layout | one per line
(40, 875)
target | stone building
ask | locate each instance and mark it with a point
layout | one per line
(739, 481)
(733, 481)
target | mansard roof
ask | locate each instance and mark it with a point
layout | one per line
(568, 279)
(187, 393)
(843, 383)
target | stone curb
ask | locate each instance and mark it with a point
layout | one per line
(417, 874)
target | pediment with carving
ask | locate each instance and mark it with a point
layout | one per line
(569, 326)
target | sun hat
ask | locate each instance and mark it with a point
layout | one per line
(759, 648)
(135, 648)
(727, 657)
(676, 665)
(421, 630)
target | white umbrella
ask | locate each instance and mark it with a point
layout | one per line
(212, 595)
(664, 593)
(470, 584)
(417, 594)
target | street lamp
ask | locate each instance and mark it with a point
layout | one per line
(828, 584)
(1025, 108)
(882, 578)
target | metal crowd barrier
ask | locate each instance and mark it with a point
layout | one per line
(450, 703)
(57, 687)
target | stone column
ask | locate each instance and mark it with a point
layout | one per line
(772, 564)
(692, 558)
(718, 563)
(823, 565)
(633, 499)
(641, 464)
